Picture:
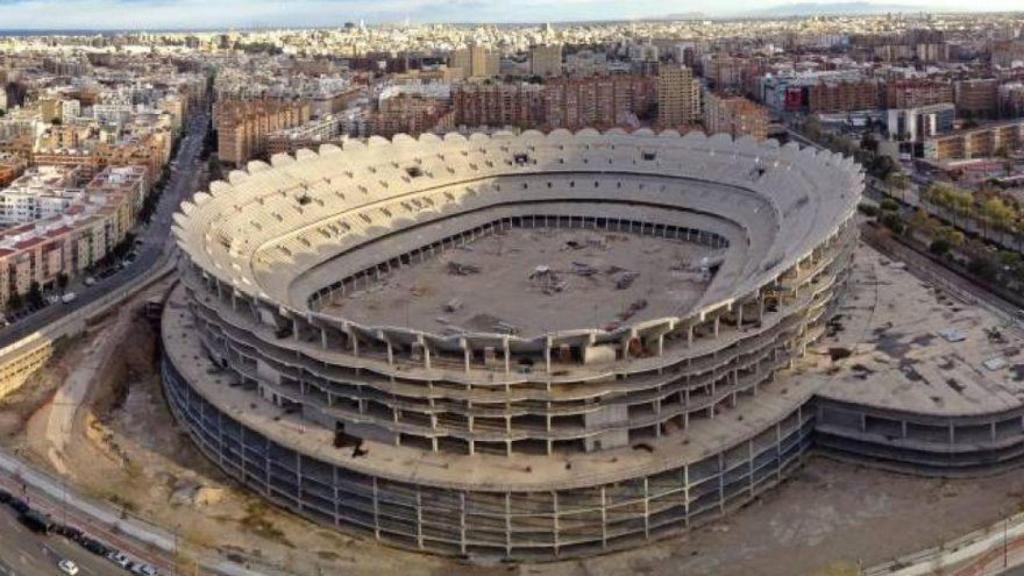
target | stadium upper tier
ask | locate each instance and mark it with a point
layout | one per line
(289, 233)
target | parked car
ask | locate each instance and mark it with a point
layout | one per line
(67, 532)
(19, 505)
(68, 567)
(89, 280)
(68, 298)
(36, 521)
(119, 558)
(143, 569)
(96, 547)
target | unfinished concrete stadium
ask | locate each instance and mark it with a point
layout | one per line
(519, 346)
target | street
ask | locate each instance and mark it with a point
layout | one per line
(25, 553)
(180, 186)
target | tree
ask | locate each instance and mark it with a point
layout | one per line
(869, 210)
(998, 214)
(1012, 263)
(922, 223)
(939, 247)
(951, 236)
(949, 197)
(812, 128)
(982, 266)
(15, 302)
(62, 281)
(898, 180)
(893, 222)
(35, 295)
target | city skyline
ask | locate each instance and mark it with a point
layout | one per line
(195, 14)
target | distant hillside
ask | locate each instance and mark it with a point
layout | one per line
(829, 9)
(684, 16)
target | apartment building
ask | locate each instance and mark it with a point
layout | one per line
(601, 102)
(916, 93)
(309, 135)
(70, 241)
(546, 60)
(678, 97)
(243, 126)
(476, 61)
(1011, 100)
(735, 115)
(918, 124)
(42, 192)
(976, 98)
(498, 104)
(11, 166)
(832, 97)
(984, 142)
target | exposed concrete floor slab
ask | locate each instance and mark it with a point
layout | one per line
(537, 280)
(905, 361)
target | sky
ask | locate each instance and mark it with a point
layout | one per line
(214, 14)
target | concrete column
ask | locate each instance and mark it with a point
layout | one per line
(721, 483)
(686, 495)
(508, 524)
(462, 521)
(419, 518)
(334, 503)
(508, 356)
(547, 355)
(376, 510)
(750, 467)
(323, 338)
(554, 498)
(718, 322)
(778, 451)
(647, 507)
(604, 518)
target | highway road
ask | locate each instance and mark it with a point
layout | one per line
(25, 553)
(154, 236)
